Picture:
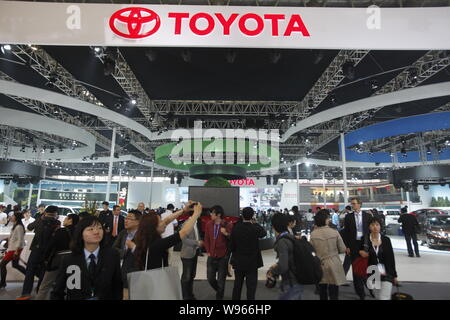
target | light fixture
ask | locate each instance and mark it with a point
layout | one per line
(52, 149)
(5, 47)
(428, 151)
(23, 148)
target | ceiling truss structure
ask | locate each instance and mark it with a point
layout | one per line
(422, 69)
(40, 61)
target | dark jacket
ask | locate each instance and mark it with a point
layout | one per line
(59, 242)
(107, 283)
(349, 232)
(244, 246)
(128, 263)
(409, 223)
(385, 256)
(285, 255)
(103, 214)
(43, 231)
(109, 222)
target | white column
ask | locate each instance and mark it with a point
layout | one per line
(29, 195)
(151, 184)
(38, 200)
(298, 186)
(118, 190)
(324, 190)
(344, 169)
(408, 201)
(111, 159)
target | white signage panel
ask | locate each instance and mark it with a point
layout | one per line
(223, 26)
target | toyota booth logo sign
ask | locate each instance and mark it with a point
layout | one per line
(138, 23)
(135, 23)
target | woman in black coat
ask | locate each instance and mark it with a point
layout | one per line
(91, 271)
(381, 257)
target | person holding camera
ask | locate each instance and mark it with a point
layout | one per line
(148, 236)
(247, 257)
(290, 288)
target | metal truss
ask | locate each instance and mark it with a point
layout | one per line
(132, 87)
(329, 80)
(225, 108)
(40, 61)
(55, 112)
(424, 68)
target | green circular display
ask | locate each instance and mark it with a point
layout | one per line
(187, 153)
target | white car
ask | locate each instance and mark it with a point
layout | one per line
(64, 211)
(391, 216)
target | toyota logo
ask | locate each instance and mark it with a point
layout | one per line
(134, 23)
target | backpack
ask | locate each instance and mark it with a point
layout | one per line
(308, 266)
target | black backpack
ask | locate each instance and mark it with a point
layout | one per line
(308, 266)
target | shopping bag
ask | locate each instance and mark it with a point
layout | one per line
(156, 284)
(359, 266)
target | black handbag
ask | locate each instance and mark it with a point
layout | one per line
(401, 295)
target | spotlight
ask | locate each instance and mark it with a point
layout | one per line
(275, 57)
(374, 85)
(97, 49)
(133, 101)
(231, 56)
(428, 151)
(426, 187)
(439, 150)
(186, 55)
(52, 78)
(348, 69)
(60, 148)
(108, 66)
(150, 54)
(333, 98)
(23, 148)
(34, 148)
(52, 149)
(5, 48)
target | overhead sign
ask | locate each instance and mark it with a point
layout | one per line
(224, 26)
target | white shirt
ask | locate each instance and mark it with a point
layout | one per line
(27, 222)
(3, 218)
(170, 227)
(309, 216)
(359, 227)
(88, 253)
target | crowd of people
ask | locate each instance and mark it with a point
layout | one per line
(104, 248)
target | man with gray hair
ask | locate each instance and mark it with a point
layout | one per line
(43, 230)
(141, 207)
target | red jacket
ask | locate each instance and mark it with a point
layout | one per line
(216, 248)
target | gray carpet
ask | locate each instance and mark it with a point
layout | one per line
(202, 290)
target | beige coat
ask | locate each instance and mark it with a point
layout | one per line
(328, 244)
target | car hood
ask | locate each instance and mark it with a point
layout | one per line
(438, 229)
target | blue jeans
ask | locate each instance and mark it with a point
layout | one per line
(293, 292)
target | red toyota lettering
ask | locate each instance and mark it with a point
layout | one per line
(226, 24)
(274, 18)
(245, 30)
(296, 25)
(197, 31)
(178, 17)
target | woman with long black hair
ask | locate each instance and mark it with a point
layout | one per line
(16, 243)
(92, 270)
(148, 236)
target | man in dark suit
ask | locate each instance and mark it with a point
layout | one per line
(410, 226)
(105, 213)
(356, 227)
(246, 255)
(114, 224)
(124, 245)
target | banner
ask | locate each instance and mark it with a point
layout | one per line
(223, 26)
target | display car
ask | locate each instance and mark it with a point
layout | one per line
(423, 215)
(391, 216)
(438, 231)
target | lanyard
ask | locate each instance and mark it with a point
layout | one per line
(216, 230)
(376, 248)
